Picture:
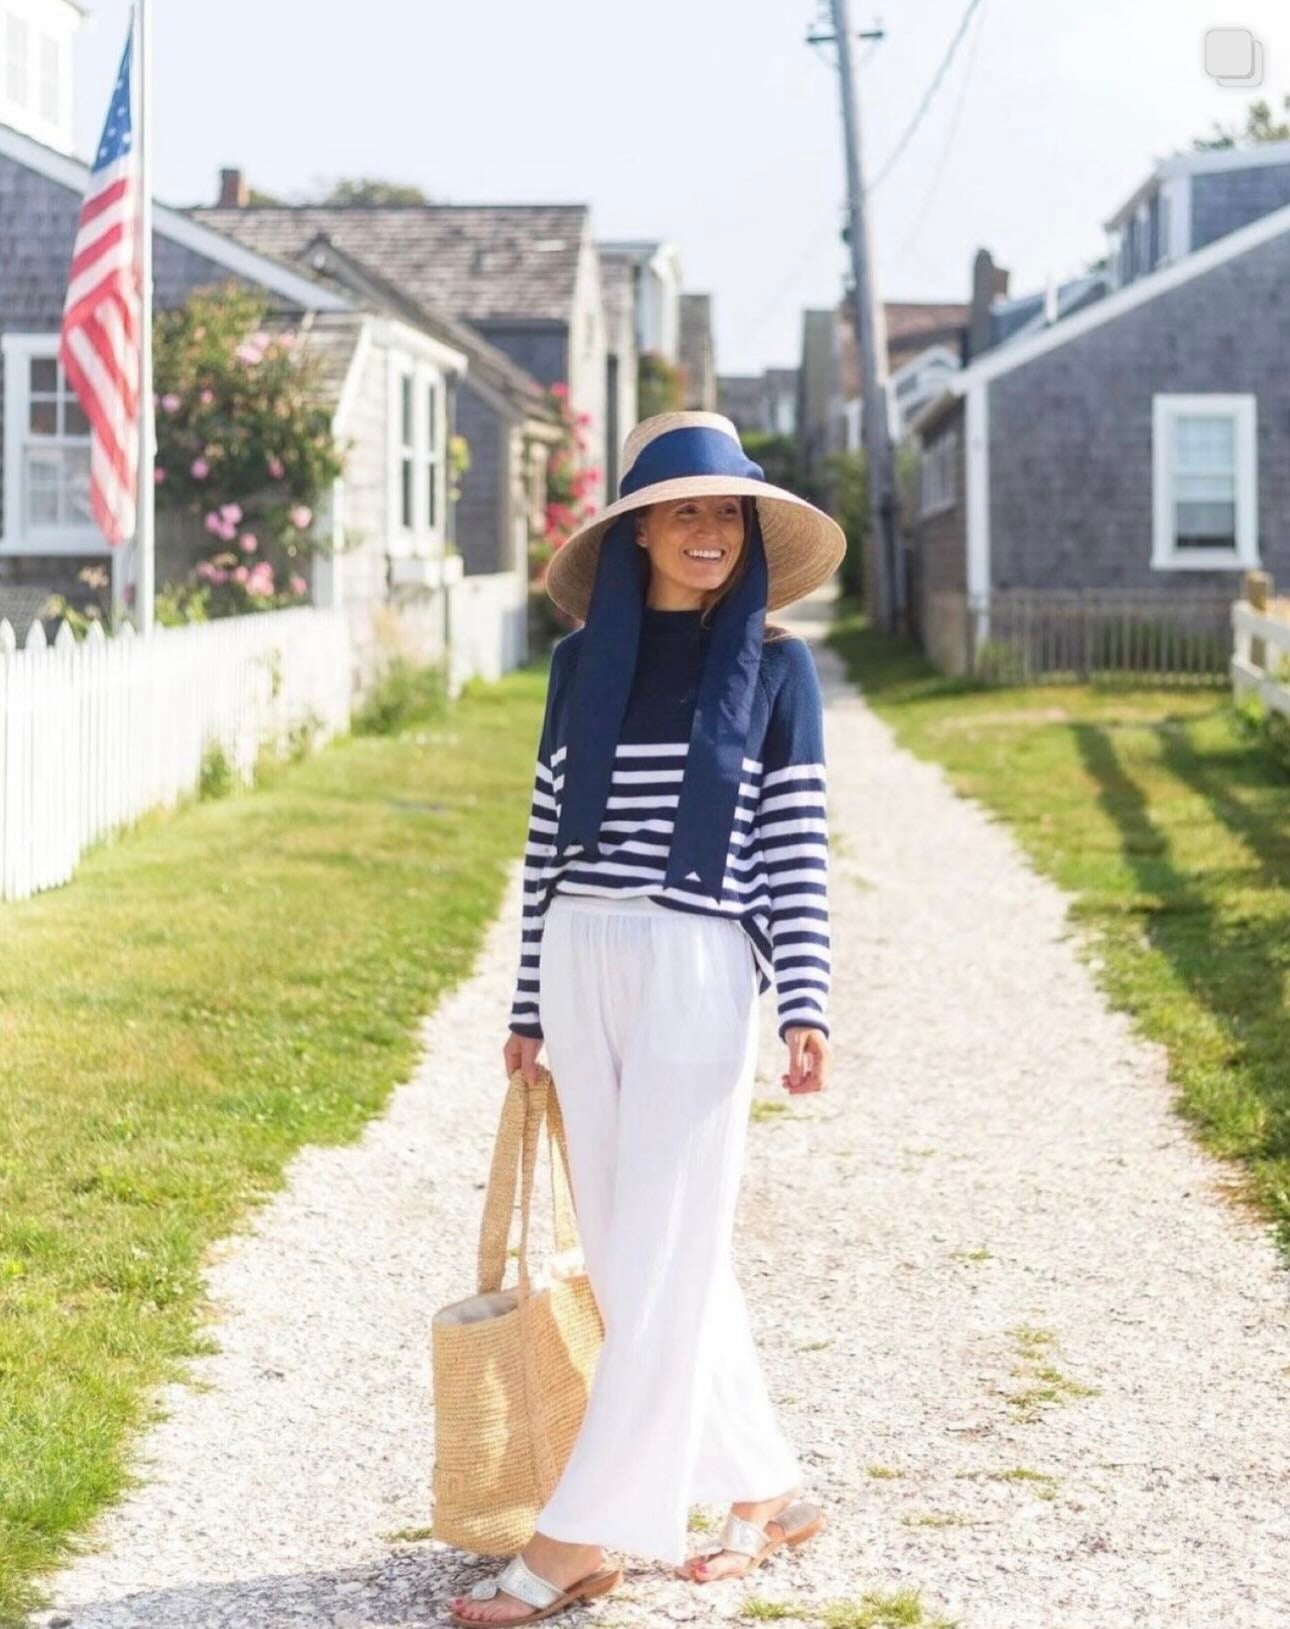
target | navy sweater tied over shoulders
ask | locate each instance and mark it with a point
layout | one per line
(776, 876)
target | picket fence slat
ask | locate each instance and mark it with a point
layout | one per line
(96, 732)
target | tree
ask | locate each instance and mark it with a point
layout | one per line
(368, 191)
(658, 385)
(1258, 128)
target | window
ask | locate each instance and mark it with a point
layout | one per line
(434, 456)
(407, 452)
(47, 450)
(15, 50)
(938, 469)
(49, 79)
(418, 448)
(1205, 507)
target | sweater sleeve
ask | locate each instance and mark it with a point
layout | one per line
(792, 826)
(525, 1018)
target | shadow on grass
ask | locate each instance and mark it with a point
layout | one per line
(1230, 960)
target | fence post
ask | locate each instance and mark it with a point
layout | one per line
(1256, 587)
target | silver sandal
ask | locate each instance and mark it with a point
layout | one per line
(518, 1578)
(798, 1521)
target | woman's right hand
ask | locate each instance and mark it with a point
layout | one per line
(521, 1052)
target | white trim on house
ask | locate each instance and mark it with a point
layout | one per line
(1005, 358)
(18, 351)
(976, 467)
(179, 228)
(1175, 197)
(424, 536)
(1243, 411)
(1201, 162)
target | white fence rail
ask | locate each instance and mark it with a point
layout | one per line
(1261, 658)
(96, 732)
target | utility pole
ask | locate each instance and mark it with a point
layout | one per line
(885, 562)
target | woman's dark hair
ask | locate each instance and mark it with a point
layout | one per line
(773, 630)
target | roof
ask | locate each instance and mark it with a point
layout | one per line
(1150, 286)
(478, 261)
(912, 327)
(484, 361)
(1203, 161)
(175, 225)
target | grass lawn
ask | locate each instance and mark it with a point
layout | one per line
(1172, 831)
(214, 989)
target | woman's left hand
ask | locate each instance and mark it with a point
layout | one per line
(809, 1059)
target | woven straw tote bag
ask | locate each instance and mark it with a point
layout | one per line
(512, 1367)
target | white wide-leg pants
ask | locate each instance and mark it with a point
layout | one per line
(651, 1026)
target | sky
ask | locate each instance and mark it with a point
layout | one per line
(708, 123)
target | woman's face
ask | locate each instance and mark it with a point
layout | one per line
(693, 546)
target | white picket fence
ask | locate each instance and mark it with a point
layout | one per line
(96, 732)
(1261, 656)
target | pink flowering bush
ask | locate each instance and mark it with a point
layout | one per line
(244, 447)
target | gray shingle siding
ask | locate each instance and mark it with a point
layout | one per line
(542, 349)
(1071, 431)
(37, 229)
(479, 517)
(942, 535)
(1228, 199)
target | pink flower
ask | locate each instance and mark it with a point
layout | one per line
(206, 570)
(300, 516)
(249, 353)
(171, 402)
(561, 390)
(207, 397)
(199, 469)
(248, 542)
(276, 467)
(158, 474)
(297, 582)
(231, 511)
(214, 523)
(240, 574)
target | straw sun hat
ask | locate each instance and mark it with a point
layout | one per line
(684, 455)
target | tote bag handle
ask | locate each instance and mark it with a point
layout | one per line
(519, 1130)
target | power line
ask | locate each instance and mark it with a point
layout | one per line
(939, 168)
(927, 98)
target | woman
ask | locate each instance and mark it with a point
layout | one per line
(676, 868)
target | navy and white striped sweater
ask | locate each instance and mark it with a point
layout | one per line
(776, 877)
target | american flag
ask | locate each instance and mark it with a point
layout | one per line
(99, 343)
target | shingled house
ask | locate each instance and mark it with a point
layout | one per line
(526, 277)
(1127, 436)
(390, 374)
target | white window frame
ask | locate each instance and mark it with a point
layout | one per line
(15, 48)
(426, 534)
(19, 351)
(1243, 410)
(937, 470)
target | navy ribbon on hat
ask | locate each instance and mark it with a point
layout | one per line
(607, 663)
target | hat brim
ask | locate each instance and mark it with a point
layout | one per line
(804, 546)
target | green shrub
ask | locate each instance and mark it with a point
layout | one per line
(216, 777)
(406, 694)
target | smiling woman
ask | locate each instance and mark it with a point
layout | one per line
(695, 547)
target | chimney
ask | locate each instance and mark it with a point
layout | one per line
(989, 283)
(233, 190)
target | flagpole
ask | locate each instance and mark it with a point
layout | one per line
(145, 536)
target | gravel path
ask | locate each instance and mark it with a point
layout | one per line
(993, 1203)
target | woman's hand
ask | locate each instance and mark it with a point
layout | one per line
(809, 1059)
(521, 1052)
